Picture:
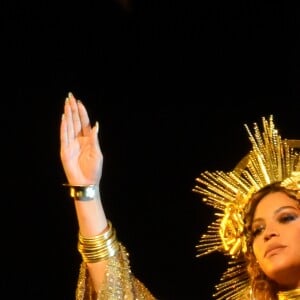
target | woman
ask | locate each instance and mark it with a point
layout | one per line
(257, 225)
(274, 231)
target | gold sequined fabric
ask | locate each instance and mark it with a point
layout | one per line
(289, 295)
(120, 283)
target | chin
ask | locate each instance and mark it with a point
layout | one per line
(284, 273)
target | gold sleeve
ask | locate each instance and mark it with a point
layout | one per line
(119, 284)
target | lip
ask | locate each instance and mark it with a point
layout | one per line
(271, 248)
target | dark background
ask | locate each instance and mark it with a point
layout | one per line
(171, 83)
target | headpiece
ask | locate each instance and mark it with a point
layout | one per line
(271, 159)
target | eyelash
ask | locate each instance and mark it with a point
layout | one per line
(283, 219)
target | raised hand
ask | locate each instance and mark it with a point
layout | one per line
(80, 151)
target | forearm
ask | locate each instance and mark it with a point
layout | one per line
(92, 221)
(91, 216)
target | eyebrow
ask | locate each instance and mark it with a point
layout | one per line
(278, 210)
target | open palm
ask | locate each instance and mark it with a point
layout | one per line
(80, 150)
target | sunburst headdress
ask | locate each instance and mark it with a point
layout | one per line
(271, 159)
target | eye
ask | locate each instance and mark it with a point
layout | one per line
(288, 217)
(257, 230)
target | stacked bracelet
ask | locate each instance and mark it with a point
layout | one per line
(98, 247)
(83, 192)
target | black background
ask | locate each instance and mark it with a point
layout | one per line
(171, 83)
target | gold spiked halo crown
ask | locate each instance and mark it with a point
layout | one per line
(271, 159)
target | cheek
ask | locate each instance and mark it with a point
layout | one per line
(293, 238)
(258, 249)
(290, 233)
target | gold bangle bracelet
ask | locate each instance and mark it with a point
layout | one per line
(83, 192)
(93, 255)
(99, 237)
(98, 247)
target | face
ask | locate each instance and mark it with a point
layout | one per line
(276, 244)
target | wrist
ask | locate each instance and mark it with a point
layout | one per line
(83, 192)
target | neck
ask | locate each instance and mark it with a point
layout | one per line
(289, 295)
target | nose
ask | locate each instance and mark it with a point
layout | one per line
(270, 234)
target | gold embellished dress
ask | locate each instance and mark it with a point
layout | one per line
(120, 282)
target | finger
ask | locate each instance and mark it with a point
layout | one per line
(75, 115)
(68, 119)
(84, 118)
(63, 133)
(95, 131)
